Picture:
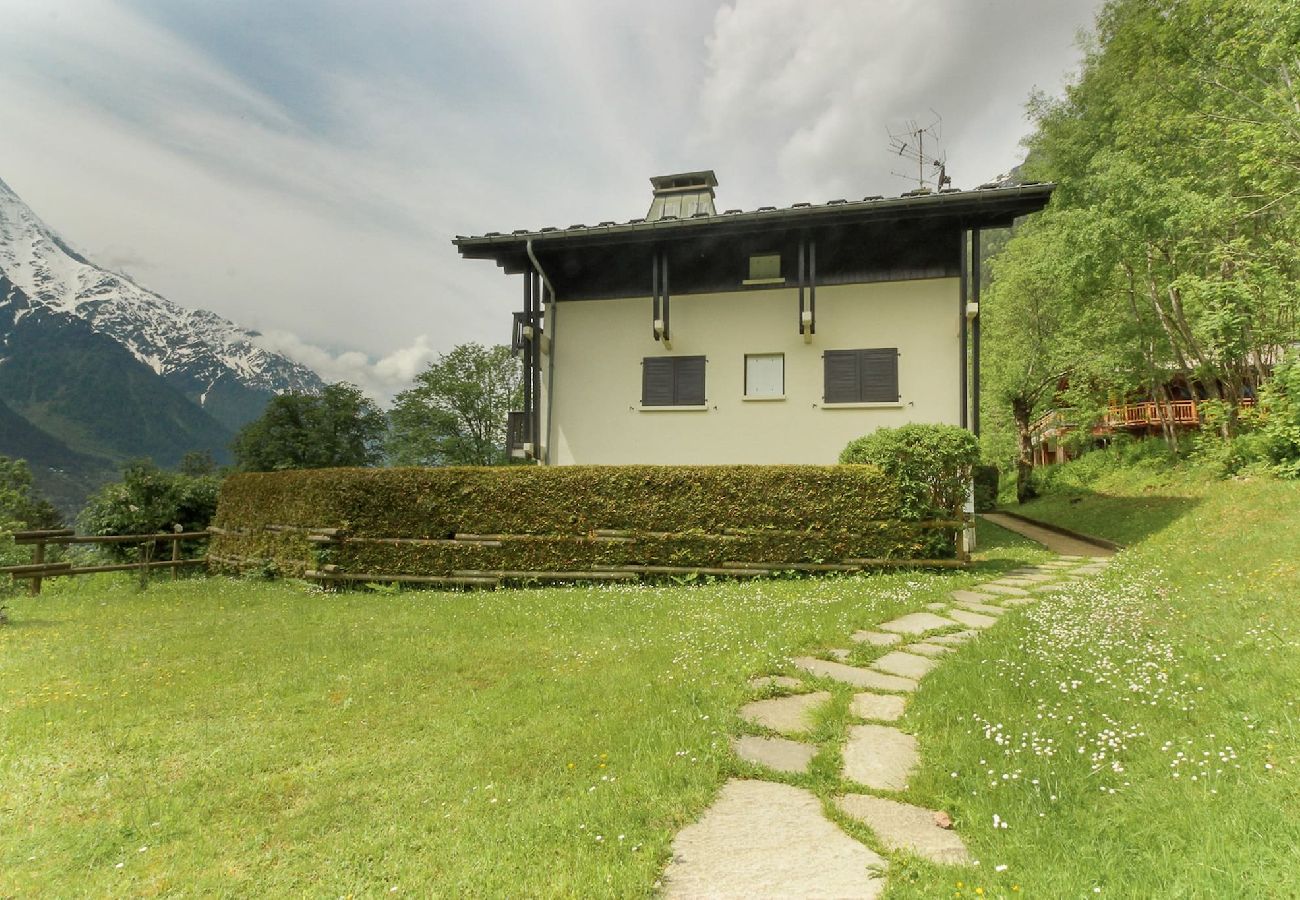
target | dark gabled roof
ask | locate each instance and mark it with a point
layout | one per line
(989, 206)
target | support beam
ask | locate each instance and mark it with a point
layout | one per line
(812, 286)
(802, 276)
(975, 329)
(654, 293)
(528, 356)
(963, 390)
(535, 346)
(668, 335)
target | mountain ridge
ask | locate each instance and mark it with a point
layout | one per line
(96, 370)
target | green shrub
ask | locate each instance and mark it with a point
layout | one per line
(931, 463)
(559, 519)
(986, 487)
(1150, 455)
(1279, 418)
(147, 501)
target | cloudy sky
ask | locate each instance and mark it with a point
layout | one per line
(300, 166)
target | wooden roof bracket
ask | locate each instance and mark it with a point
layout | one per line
(808, 280)
(659, 319)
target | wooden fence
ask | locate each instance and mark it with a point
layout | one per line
(38, 570)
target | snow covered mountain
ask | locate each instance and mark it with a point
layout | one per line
(212, 361)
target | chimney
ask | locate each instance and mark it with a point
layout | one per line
(683, 195)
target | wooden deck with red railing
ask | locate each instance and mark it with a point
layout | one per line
(1143, 414)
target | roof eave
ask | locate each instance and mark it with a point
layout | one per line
(1003, 203)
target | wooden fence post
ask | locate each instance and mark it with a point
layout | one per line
(38, 556)
(176, 557)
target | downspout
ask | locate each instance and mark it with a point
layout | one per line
(550, 357)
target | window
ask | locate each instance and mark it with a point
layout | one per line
(765, 269)
(765, 375)
(861, 376)
(672, 381)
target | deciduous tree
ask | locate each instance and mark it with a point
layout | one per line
(455, 414)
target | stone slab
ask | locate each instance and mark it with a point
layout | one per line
(917, 623)
(925, 648)
(954, 639)
(1004, 589)
(881, 707)
(972, 597)
(936, 607)
(876, 638)
(781, 681)
(766, 840)
(780, 754)
(865, 678)
(1022, 601)
(901, 826)
(1012, 582)
(1037, 576)
(983, 608)
(880, 757)
(908, 665)
(785, 714)
(973, 619)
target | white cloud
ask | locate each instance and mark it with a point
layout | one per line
(381, 377)
(313, 191)
(814, 95)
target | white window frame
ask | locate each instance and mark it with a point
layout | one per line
(751, 392)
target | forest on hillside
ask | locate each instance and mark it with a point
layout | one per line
(1167, 261)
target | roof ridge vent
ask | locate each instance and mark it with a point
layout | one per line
(682, 195)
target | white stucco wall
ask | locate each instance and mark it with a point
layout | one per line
(596, 348)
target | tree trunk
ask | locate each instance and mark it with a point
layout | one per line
(1021, 409)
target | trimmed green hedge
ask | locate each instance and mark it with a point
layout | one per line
(693, 516)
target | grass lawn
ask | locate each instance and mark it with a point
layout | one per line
(1138, 737)
(238, 737)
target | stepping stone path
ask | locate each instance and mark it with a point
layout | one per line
(880, 757)
(881, 707)
(917, 623)
(902, 826)
(998, 587)
(876, 638)
(972, 597)
(785, 714)
(972, 619)
(865, 678)
(776, 753)
(766, 839)
(927, 649)
(982, 607)
(760, 839)
(908, 665)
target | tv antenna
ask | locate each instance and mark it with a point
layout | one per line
(910, 143)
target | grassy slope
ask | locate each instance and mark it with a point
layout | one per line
(1140, 735)
(239, 737)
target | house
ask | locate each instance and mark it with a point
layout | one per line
(695, 336)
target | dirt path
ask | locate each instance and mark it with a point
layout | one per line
(1052, 540)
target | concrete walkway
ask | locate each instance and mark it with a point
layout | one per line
(761, 838)
(1054, 541)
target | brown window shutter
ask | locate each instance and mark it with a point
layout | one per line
(657, 381)
(841, 376)
(689, 381)
(878, 373)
